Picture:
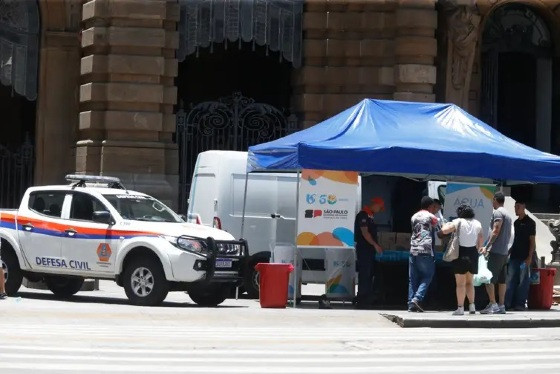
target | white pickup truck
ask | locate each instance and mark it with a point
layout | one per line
(95, 228)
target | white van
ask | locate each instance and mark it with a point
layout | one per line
(216, 199)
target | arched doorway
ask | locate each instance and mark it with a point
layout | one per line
(234, 82)
(19, 50)
(517, 81)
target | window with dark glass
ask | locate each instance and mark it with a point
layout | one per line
(48, 203)
(83, 206)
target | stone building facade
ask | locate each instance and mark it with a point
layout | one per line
(113, 78)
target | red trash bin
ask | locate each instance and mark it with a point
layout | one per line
(273, 284)
(540, 295)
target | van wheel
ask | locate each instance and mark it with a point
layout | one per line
(251, 279)
(12, 272)
(209, 295)
(64, 286)
(144, 282)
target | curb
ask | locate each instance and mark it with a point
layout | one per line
(525, 322)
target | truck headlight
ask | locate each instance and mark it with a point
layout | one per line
(187, 243)
(190, 244)
(228, 249)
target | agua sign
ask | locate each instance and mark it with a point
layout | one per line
(478, 196)
(327, 208)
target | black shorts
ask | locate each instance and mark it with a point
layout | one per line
(467, 262)
(497, 264)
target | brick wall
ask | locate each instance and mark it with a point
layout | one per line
(364, 49)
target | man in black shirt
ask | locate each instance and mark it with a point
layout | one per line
(520, 257)
(365, 236)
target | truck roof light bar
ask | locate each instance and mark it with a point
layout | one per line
(81, 180)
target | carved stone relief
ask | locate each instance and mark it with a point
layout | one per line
(463, 35)
(462, 23)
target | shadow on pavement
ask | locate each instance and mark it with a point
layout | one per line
(112, 301)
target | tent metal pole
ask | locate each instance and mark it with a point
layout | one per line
(244, 205)
(296, 251)
(243, 222)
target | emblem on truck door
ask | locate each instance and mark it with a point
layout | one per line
(104, 252)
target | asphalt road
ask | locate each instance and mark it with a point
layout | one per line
(99, 332)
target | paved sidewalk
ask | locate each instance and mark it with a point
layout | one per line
(530, 318)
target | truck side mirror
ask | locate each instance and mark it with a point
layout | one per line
(103, 216)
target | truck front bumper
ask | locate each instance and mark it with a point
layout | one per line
(224, 262)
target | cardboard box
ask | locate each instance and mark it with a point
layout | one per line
(386, 239)
(402, 241)
(390, 241)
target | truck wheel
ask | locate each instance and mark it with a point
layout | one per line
(209, 295)
(251, 280)
(12, 272)
(144, 282)
(64, 287)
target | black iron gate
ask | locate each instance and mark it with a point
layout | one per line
(16, 173)
(231, 123)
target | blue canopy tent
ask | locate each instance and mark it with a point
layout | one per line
(423, 141)
(418, 140)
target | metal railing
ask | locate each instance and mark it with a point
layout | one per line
(231, 123)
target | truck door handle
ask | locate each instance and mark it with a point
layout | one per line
(70, 232)
(28, 227)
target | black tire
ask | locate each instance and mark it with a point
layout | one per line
(209, 295)
(154, 291)
(64, 287)
(251, 279)
(13, 275)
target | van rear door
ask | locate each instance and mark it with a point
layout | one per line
(203, 195)
(261, 202)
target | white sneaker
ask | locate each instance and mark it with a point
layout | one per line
(490, 309)
(472, 309)
(459, 312)
(501, 309)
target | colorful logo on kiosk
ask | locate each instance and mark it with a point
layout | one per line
(334, 286)
(310, 213)
(104, 252)
(322, 199)
(339, 237)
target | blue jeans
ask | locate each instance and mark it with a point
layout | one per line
(421, 270)
(518, 283)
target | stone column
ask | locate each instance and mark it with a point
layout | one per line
(58, 91)
(57, 106)
(415, 50)
(128, 92)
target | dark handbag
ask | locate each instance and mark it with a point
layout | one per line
(452, 252)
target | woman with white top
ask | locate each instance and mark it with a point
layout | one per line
(464, 267)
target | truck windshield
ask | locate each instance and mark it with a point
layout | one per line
(142, 208)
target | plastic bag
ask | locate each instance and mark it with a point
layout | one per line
(484, 275)
(535, 277)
